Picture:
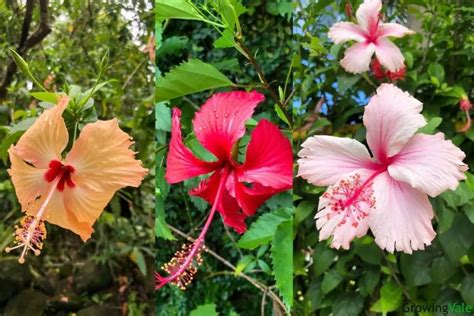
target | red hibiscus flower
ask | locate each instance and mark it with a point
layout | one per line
(236, 190)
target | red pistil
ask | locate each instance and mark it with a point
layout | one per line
(183, 266)
(372, 30)
(57, 170)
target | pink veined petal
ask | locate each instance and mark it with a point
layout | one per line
(344, 209)
(221, 120)
(402, 217)
(269, 158)
(368, 10)
(357, 57)
(393, 30)
(392, 117)
(326, 159)
(430, 164)
(346, 31)
(181, 162)
(227, 205)
(389, 54)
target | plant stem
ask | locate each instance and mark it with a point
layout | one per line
(254, 282)
(248, 54)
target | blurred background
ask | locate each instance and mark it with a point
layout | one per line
(329, 101)
(64, 43)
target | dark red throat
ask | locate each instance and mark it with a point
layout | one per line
(57, 170)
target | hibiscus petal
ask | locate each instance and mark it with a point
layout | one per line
(28, 181)
(393, 30)
(56, 213)
(227, 205)
(101, 158)
(367, 11)
(221, 120)
(252, 197)
(46, 139)
(392, 117)
(86, 202)
(402, 217)
(181, 162)
(430, 164)
(325, 159)
(389, 54)
(269, 153)
(346, 31)
(357, 57)
(344, 208)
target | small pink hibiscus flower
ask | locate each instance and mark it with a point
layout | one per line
(236, 190)
(371, 35)
(388, 192)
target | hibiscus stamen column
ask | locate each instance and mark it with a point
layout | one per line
(181, 267)
(32, 232)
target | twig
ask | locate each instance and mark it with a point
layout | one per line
(262, 304)
(27, 42)
(231, 238)
(258, 69)
(394, 274)
(134, 72)
(254, 282)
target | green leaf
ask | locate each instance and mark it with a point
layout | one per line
(437, 71)
(280, 8)
(171, 46)
(390, 298)
(369, 280)
(350, 304)
(415, 268)
(137, 256)
(204, 310)
(189, 77)
(330, 281)
(442, 270)
(323, 258)
(431, 126)
(226, 40)
(282, 259)
(368, 250)
(243, 263)
(24, 68)
(458, 239)
(162, 117)
(45, 96)
(315, 47)
(281, 114)
(303, 210)
(176, 9)
(467, 289)
(345, 82)
(262, 230)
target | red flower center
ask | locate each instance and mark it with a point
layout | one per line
(64, 172)
(373, 30)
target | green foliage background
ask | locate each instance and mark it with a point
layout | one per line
(111, 273)
(439, 59)
(216, 288)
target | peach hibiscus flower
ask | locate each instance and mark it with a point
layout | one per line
(70, 192)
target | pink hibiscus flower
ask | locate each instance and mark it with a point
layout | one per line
(388, 192)
(371, 35)
(236, 190)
